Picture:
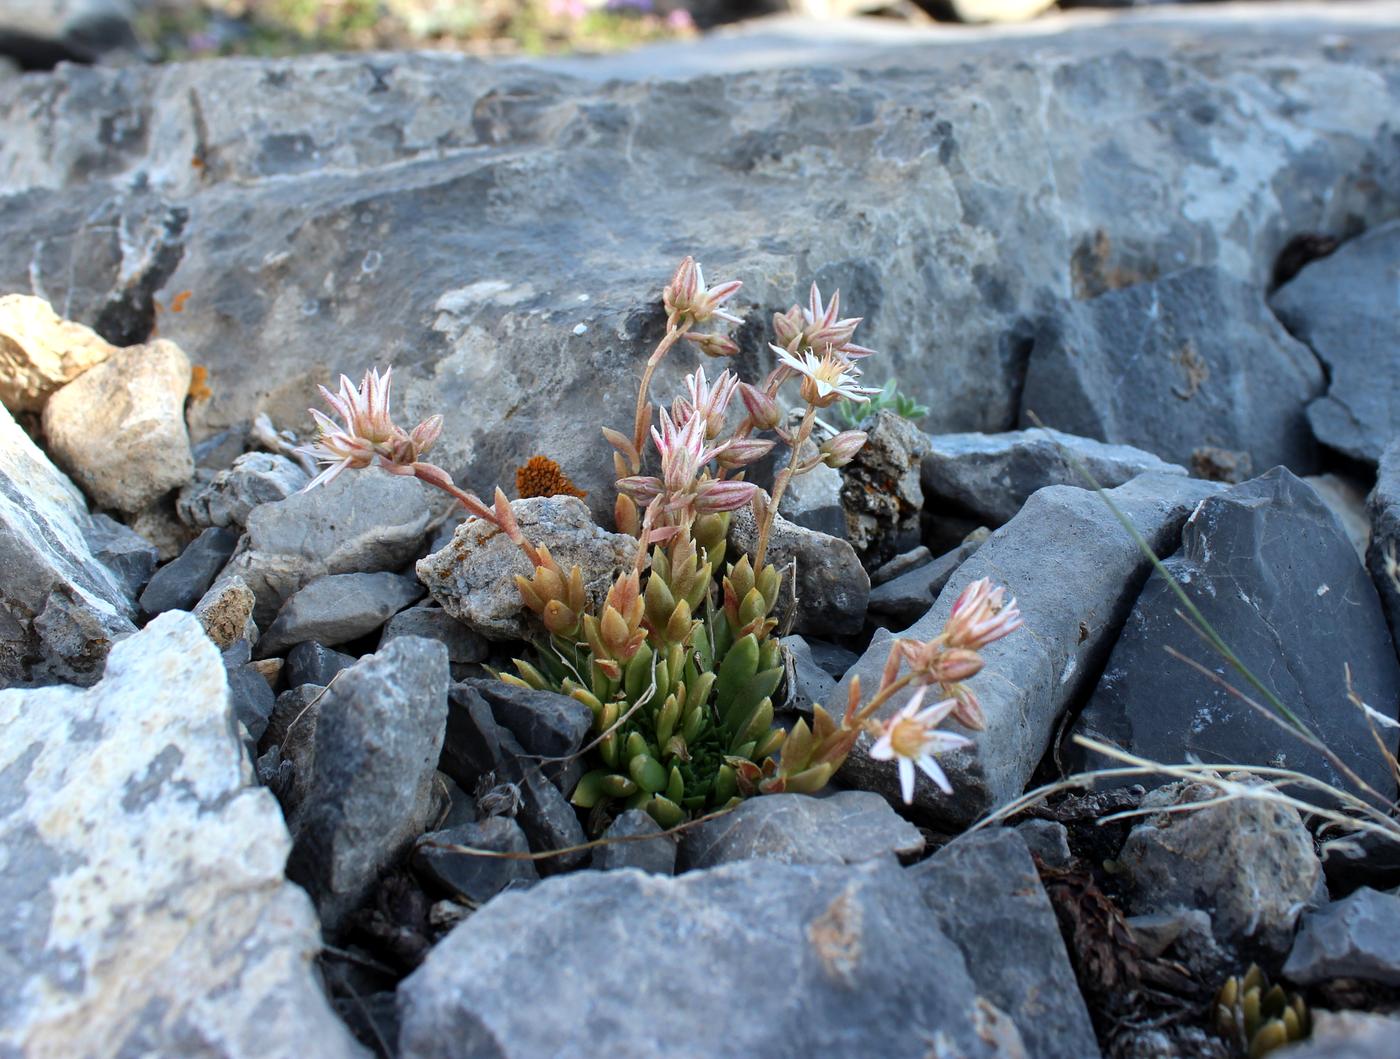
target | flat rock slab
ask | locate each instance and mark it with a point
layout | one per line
(853, 964)
(60, 609)
(970, 196)
(143, 872)
(989, 476)
(1270, 568)
(845, 828)
(1075, 573)
(984, 891)
(1173, 365)
(1344, 307)
(339, 607)
(1357, 937)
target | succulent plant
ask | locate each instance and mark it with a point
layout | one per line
(1259, 1017)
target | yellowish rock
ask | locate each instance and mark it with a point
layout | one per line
(40, 351)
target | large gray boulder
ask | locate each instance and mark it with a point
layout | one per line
(1344, 307)
(143, 890)
(623, 963)
(501, 234)
(1270, 568)
(1074, 572)
(60, 609)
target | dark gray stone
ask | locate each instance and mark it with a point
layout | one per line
(469, 875)
(880, 489)
(252, 697)
(313, 663)
(900, 564)
(984, 892)
(832, 658)
(125, 552)
(910, 596)
(989, 476)
(806, 682)
(477, 747)
(379, 733)
(179, 584)
(634, 840)
(1383, 553)
(1189, 360)
(338, 607)
(434, 623)
(1357, 937)
(1248, 863)
(545, 723)
(1343, 307)
(832, 586)
(845, 828)
(1048, 840)
(291, 732)
(1074, 572)
(1271, 570)
(853, 964)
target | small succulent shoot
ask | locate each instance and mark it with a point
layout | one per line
(856, 414)
(680, 663)
(1257, 1017)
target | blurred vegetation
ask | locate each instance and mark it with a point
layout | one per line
(181, 29)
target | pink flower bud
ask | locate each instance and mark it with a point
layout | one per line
(713, 345)
(723, 496)
(740, 452)
(842, 449)
(763, 410)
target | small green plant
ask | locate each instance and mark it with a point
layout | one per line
(680, 664)
(1257, 1017)
(854, 415)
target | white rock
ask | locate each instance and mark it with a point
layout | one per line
(40, 351)
(147, 909)
(119, 428)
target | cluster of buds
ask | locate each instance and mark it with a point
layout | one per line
(559, 599)
(368, 434)
(818, 328)
(615, 636)
(688, 301)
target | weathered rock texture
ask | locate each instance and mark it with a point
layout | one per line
(502, 234)
(60, 609)
(40, 351)
(143, 891)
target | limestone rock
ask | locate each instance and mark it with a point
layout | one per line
(338, 607)
(880, 488)
(832, 586)
(229, 496)
(630, 848)
(1343, 307)
(145, 872)
(40, 351)
(473, 576)
(119, 428)
(1357, 937)
(853, 964)
(1074, 572)
(989, 476)
(60, 609)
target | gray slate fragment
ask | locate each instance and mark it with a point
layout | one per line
(123, 551)
(1074, 572)
(910, 596)
(545, 723)
(880, 488)
(1192, 359)
(989, 476)
(852, 965)
(1048, 840)
(985, 893)
(845, 828)
(1383, 553)
(1248, 863)
(60, 609)
(1270, 568)
(338, 607)
(434, 623)
(379, 732)
(314, 663)
(144, 872)
(1356, 937)
(900, 564)
(629, 848)
(252, 698)
(832, 586)
(468, 875)
(364, 521)
(179, 584)
(806, 682)
(291, 731)
(1343, 307)
(228, 497)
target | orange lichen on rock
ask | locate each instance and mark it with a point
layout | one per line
(199, 383)
(541, 476)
